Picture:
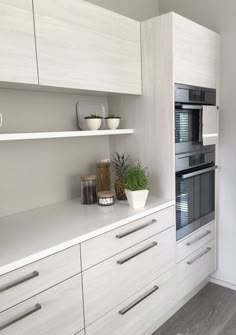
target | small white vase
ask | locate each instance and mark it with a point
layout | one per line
(137, 199)
(113, 123)
(93, 124)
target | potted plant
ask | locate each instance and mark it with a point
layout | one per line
(136, 186)
(112, 121)
(93, 121)
(120, 166)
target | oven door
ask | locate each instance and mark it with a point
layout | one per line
(195, 200)
(188, 127)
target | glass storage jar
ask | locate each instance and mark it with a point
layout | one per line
(103, 176)
(88, 190)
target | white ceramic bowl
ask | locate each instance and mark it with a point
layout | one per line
(113, 123)
(93, 124)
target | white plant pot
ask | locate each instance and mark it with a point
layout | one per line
(113, 123)
(93, 124)
(137, 199)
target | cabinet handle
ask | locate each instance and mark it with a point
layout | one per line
(131, 231)
(20, 281)
(36, 308)
(137, 301)
(199, 256)
(135, 254)
(198, 238)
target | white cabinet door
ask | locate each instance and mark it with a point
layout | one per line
(17, 44)
(210, 122)
(57, 311)
(196, 53)
(84, 46)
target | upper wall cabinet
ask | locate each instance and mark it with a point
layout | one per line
(196, 53)
(83, 46)
(17, 44)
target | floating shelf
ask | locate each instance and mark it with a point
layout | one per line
(63, 134)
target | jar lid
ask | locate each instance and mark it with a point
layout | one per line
(103, 164)
(105, 194)
(88, 178)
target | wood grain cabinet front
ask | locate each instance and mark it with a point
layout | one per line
(107, 245)
(23, 283)
(111, 282)
(196, 268)
(57, 311)
(17, 47)
(196, 53)
(83, 46)
(139, 314)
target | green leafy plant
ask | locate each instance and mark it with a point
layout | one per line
(136, 178)
(93, 116)
(120, 164)
(112, 116)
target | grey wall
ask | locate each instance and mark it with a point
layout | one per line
(136, 9)
(220, 15)
(40, 172)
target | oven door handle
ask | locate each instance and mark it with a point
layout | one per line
(198, 107)
(199, 172)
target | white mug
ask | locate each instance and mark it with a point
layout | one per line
(1, 118)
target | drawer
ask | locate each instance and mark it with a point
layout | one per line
(195, 268)
(23, 283)
(58, 310)
(109, 244)
(111, 282)
(194, 242)
(139, 313)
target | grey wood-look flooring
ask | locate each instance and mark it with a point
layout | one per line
(211, 312)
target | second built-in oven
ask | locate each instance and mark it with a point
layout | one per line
(195, 190)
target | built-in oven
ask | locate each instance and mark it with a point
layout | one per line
(195, 190)
(189, 102)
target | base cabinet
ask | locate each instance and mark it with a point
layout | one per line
(138, 314)
(58, 310)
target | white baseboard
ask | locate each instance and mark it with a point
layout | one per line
(222, 283)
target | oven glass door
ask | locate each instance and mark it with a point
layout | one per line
(195, 201)
(188, 128)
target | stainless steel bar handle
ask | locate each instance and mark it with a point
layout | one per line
(131, 231)
(199, 256)
(20, 281)
(198, 238)
(196, 173)
(36, 308)
(191, 107)
(135, 254)
(137, 301)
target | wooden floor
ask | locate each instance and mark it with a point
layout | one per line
(211, 312)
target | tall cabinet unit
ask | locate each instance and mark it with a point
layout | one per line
(17, 47)
(83, 46)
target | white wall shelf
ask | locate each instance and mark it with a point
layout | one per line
(62, 134)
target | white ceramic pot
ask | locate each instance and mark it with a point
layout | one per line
(113, 123)
(137, 199)
(93, 124)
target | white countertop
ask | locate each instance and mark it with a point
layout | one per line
(29, 236)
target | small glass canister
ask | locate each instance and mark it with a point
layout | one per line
(88, 190)
(106, 199)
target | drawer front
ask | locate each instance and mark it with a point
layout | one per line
(139, 313)
(111, 282)
(58, 310)
(107, 245)
(194, 242)
(21, 284)
(195, 268)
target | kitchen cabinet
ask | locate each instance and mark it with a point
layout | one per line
(17, 47)
(58, 310)
(83, 46)
(195, 53)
